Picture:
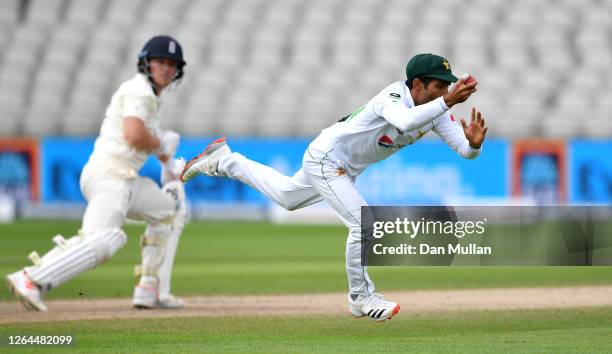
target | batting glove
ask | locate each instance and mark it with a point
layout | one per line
(168, 143)
(171, 170)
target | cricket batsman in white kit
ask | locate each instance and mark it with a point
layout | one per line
(114, 191)
(398, 116)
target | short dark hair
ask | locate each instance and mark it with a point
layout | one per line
(425, 80)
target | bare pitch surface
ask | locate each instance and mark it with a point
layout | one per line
(413, 302)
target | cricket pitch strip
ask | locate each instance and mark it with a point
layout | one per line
(412, 302)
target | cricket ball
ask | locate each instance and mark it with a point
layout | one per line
(467, 78)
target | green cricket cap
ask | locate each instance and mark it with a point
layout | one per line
(429, 65)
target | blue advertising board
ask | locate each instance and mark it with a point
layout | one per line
(590, 172)
(62, 160)
(284, 155)
(425, 173)
(429, 173)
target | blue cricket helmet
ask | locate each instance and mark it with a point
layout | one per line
(162, 47)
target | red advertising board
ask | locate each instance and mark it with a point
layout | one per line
(19, 168)
(539, 170)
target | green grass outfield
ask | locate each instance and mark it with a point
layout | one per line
(553, 331)
(251, 258)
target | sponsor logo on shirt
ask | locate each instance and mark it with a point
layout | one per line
(386, 142)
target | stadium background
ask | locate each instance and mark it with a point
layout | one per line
(270, 74)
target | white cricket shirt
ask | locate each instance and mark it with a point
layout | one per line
(112, 154)
(386, 124)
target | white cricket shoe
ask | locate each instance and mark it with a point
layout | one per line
(146, 297)
(373, 306)
(26, 290)
(208, 161)
(170, 302)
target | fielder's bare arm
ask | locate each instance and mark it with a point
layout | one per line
(397, 117)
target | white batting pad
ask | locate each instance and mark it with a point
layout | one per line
(153, 244)
(176, 189)
(76, 255)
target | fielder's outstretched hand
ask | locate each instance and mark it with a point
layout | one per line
(476, 131)
(460, 92)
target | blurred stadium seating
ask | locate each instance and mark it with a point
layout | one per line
(292, 67)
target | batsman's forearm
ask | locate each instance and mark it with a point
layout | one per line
(164, 159)
(137, 135)
(143, 141)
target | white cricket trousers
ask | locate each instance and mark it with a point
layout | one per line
(111, 200)
(319, 179)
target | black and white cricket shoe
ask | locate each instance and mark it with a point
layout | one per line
(373, 306)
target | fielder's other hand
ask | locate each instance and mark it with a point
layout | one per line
(460, 92)
(476, 131)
